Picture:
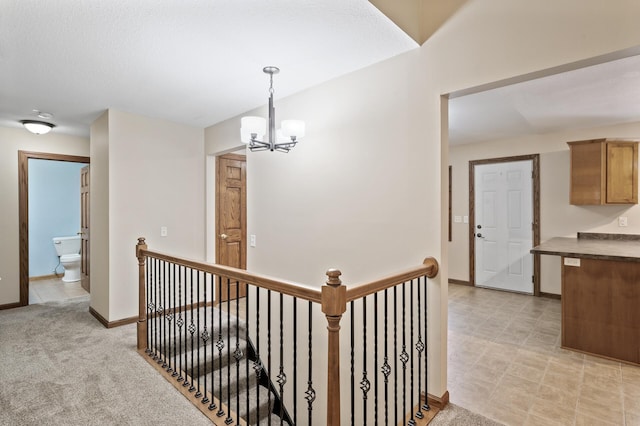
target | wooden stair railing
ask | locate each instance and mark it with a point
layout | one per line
(194, 344)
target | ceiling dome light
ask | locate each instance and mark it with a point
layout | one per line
(37, 127)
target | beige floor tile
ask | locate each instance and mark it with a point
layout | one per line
(632, 419)
(535, 420)
(555, 410)
(542, 384)
(586, 420)
(601, 408)
(504, 413)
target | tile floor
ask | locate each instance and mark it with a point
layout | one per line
(505, 362)
(53, 289)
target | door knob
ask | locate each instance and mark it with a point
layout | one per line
(479, 226)
(223, 236)
(479, 235)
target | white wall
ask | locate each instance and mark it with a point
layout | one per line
(557, 217)
(363, 191)
(13, 140)
(155, 178)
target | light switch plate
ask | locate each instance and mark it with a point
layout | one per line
(572, 261)
(252, 240)
(465, 219)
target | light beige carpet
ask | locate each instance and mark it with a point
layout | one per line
(59, 366)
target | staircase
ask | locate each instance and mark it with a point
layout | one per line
(220, 361)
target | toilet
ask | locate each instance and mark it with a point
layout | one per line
(68, 248)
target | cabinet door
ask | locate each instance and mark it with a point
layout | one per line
(587, 173)
(622, 173)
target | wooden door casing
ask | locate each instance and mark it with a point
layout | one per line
(84, 227)
(231, 219)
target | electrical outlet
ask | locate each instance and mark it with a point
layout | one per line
(457, 219)
(622, 221)
(252, 240)
(163, 231)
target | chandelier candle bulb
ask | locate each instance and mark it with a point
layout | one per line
(293, 128)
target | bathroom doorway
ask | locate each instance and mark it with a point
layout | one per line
(52, 280)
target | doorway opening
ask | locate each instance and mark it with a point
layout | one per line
(500, 236)
(23, 218)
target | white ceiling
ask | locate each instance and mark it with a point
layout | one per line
(597, 95)
(199, 62)
(195, 62)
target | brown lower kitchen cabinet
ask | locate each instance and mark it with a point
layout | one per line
(601, 307)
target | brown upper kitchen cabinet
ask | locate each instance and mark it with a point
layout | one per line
(604, 171)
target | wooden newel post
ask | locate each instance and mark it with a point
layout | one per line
(334, 304)
(142, 297)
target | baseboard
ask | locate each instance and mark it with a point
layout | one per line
(44, 277)
(131, 320)
(10, 306)
(111, 324)
(550, 295)
(461, 282)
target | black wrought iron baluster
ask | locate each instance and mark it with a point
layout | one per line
(404, 357)
(412, 421)
(192, 330)
(352, 377)
(168, 315)
(162, 313)
(198, 393)
(246, 339)
(419, 349)
(269, 347)
(425, 406)
(220, 345)
(257, 364)
(375, 358)
(180, 322)
(310, 394)
(174, 338)
(157, 319)
(205, 334)
(395, 354)
(386, 368)
(149, 311)
(212, 405)
(154, 332)
(229, 419)
(237, 354)
(282, 377)
(365, 385)
(295, 360)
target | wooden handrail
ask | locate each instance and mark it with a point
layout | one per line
(290, 288)
(429, 268)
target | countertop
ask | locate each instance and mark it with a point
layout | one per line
(593, 246)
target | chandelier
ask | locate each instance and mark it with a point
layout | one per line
(253, 129)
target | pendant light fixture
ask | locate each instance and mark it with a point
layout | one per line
(253, 129)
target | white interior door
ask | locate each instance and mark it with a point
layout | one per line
(504, 231)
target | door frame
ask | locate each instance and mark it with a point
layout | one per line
(23, 211)
(535, 159)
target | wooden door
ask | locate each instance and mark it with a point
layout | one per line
(231, 219)
(504, 231)
(84, 227)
